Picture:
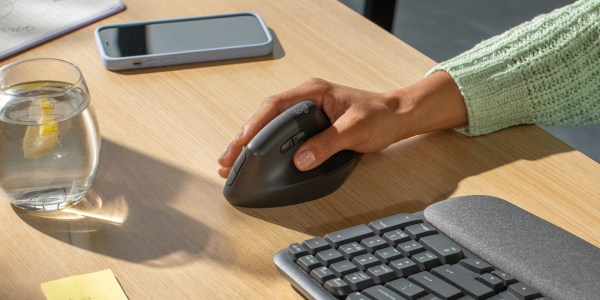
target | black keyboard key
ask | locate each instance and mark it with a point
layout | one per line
(374, 243)
(492, 281)
(426, 260)
(366, 261)
(388, 254)
(476, 265)
(359, 280)
(446, 249)
(352, 250)
(463, 280)
(382, 273)
(523, 291)
(343, 268)
(308, 263)
(507, 279)
(436, 286)
(418, 231)
(348, 235)
(357, 296)
(322, 274)
(410, 248)
(329, 256)
(315, 245)
(404, 267)
(398, 221)
(338, 287)
(296, 251)
(379, 292)
(406, 289)
(396, 237)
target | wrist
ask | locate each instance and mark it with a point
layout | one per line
(433, 103)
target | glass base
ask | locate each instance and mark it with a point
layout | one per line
(53, 199)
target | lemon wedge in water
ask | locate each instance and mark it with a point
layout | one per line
(40, 140)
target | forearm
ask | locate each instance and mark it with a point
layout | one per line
(544, 71)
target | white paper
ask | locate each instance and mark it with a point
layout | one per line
(25, 23)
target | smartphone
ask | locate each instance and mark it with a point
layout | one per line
(181, 41)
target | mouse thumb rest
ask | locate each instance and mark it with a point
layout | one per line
(264, 174)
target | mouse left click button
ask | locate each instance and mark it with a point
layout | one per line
(237, 166)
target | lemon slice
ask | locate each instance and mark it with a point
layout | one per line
(40, 140)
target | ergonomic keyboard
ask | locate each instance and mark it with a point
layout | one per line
(471, 247)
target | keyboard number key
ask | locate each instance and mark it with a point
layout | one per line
(507, 279)
(357, 296)
(447, 250)
(492, 281)
(315, 245)
(435, 285)
(343, 268)
(352, 250)
(418, 231)
(404, 267)
(322, 274)
(388, 254)
(406, 288)
(380, 292)
(398, 221)
(308, 262)
(366, 261)
(329, 256)
(348, 235)
(410, 248)
(296, 251)
(338, 287)
(523, 291)
(359, 280)
(476, 265)
(382, 273)
(426, 260)
(396, 237)
(374, 243)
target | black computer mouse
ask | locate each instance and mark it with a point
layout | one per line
(264, 174)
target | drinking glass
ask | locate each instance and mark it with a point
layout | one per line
(49, 139)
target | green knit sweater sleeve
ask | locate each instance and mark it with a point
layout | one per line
(545, 71)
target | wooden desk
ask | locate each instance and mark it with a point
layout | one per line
(156, 215)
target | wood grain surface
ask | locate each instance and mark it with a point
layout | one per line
(156, 215)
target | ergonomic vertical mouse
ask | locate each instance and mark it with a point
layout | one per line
(264, 174)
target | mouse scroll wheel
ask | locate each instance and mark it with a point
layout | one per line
(294, 140)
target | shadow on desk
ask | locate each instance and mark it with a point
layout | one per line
(127, 213)
(410, 175)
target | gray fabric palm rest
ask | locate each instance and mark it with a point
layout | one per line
(536, 252)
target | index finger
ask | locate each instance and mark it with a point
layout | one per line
(273, 106)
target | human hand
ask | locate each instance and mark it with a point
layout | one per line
(362, 121)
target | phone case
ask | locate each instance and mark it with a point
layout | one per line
(184, 57)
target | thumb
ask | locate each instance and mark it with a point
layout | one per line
(318, 149)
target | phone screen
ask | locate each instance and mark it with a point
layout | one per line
(182, 35)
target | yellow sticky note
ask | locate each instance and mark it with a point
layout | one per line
(100, 285)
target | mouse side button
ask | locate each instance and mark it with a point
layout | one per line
(298, 137)
(287, 145)
(237, 166)
(239, 162)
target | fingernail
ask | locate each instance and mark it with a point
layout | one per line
(305, 159)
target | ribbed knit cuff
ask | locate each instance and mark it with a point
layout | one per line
(543, 71)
